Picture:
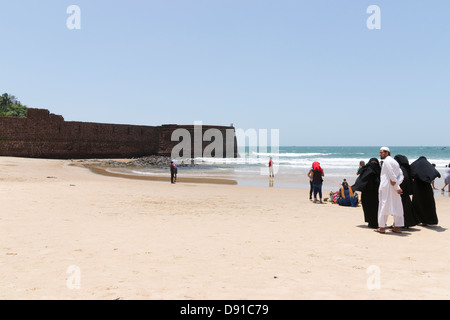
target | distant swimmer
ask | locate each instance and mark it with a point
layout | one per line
(271, 168)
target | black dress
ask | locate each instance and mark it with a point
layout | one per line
(409, 215)
(422, 173)
(367, 183)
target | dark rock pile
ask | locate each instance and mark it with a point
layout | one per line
(143, 162)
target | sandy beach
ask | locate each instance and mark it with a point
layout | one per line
(70, 233)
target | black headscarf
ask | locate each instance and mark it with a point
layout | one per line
(406, 185)
(375, 165)
(423, 170)
(365, 173)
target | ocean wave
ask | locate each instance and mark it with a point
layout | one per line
(290, 155)
(299, 163)
(279, 161)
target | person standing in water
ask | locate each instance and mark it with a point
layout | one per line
(271, 168)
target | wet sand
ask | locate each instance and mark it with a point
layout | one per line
(106, 172)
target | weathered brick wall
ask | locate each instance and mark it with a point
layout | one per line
(205, 138)
(45, 135)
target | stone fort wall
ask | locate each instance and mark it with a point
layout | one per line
(45, 135)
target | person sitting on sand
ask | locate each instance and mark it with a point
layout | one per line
(346, 196)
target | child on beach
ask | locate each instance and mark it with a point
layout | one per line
(361, 164)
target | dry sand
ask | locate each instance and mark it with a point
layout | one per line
(141, 239)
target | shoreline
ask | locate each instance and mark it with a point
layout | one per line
(102, 167)
(104, 171)
(256, 181)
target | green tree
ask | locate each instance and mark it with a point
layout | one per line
(5, 100)
(11, 107)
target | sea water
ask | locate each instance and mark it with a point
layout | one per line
(292, 164)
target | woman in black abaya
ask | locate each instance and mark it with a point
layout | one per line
(422, 173)
(367, 183)
(407, 187)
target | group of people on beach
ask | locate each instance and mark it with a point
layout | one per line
(386, 187)
(345, 196)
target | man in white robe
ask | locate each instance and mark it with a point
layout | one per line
(390, 201)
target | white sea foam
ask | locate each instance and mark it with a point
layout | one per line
(293, 165)
(291, 161)
(290, 155)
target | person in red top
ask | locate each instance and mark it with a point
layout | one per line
(173, 170)
(271, 168)
(316, 175)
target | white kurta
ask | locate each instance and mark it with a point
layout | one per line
(390, 202)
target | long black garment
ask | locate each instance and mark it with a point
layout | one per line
(409, 215)
(367, 183)
(422, 173)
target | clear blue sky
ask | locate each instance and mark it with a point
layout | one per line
(311, 69)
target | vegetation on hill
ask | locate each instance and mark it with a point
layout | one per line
(11, 107)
